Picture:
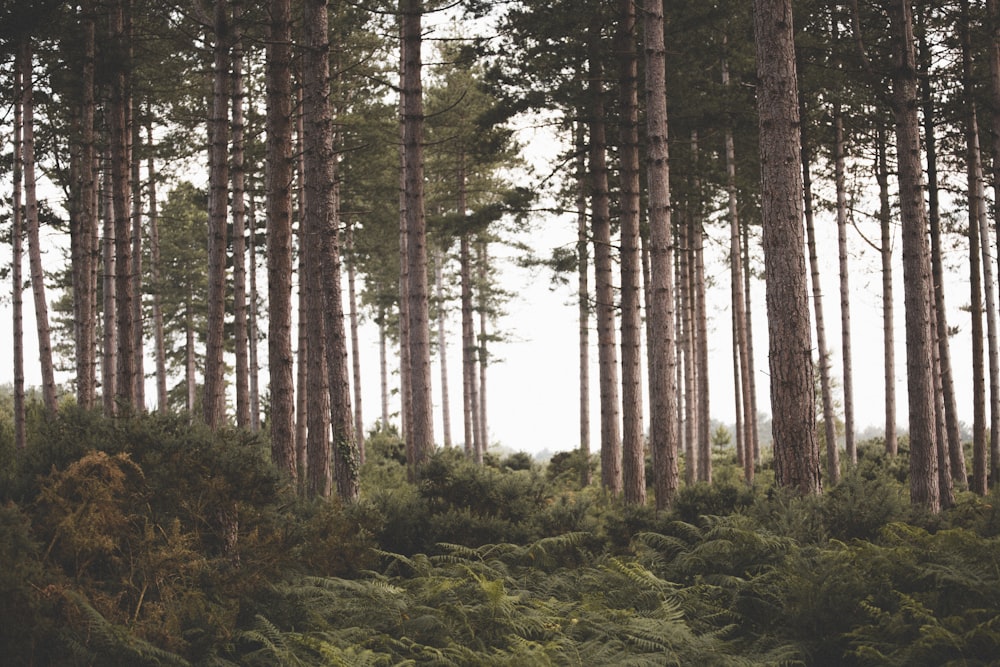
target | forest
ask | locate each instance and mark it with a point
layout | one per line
(209, 195)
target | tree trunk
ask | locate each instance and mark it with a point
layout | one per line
(214, 399)
(31, 217)
(252, 323)
(17, 263)
(633, 437)
(302, 370)
(741, 356)
(687, 350)
(583, 299)
(470, 386)
(611, 448)
(119, 116)
(279, 235)
(484, 355)
(109, 353)
(888, 337)
(238, 174)
(993, 9)
(979, 448)
(421, 430)
(796, 455)
(135, 182)
(383, 368)
(190, 365)
(662, 352)
(923, 448)
(829, 417)
(359, 422)
(850, 446)
(322, 218)
(160, 353)
(754, 435)
(442, 345)
(84, 223)
(697, 237)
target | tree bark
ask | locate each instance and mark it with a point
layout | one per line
(993, 11)
(611, 447)
(252, 323)
(31, 218)
(359, 422)
(484, 355)
(214, 399)
(823, 363)
(583, 299)
(238, 174)
(17, 262)
(662, 346)
(741, 355)
(159, 343)
(279, 234)
(796, 455)
(420, 432)
(697, 236)
(302, 366)
(633, 438)
(916, 274)
(850, 446)
(888, 337)
(470, 385)
(109, 353)
(442, 346)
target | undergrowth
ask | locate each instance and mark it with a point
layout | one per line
(146, 540)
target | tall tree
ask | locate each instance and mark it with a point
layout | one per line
(633, 445)
(238, 174)
(27, 104)
(17, 263)
(214, 400)
(796, 454)
(923, 448)
(885, 251)
(583, 296)
(823, 363)
(279, 235)
(420, 432)
(611, 447)
(662, 382)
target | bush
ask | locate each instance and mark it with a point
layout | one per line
(719, 499)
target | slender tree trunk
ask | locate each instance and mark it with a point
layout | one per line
(442, 345)
(850, 446)
(484, 354)
(421, 429)
(214, 400)
(979, 448)
(888, 337)
(687, 346)
(633, 445)
(159, 343)
(190, 361)
(829, 416)
(322, 217)
(611, 447)
(796, 455)
(583, 299)
(993, 10)
(135, 184)
(34, 241)
(109, 353)
(923, 448)
(84, 231)
(470, 386)
(359, 422)
(741, 355)
(302, 367)
(119, 115)
(754, 435)
(279, 235)
(238, 174)
(697, 235)
(662, 346)
(252, 322)
(383, 368)
(952, 443)
(17, 263)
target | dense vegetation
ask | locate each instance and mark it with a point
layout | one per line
(149, 541)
